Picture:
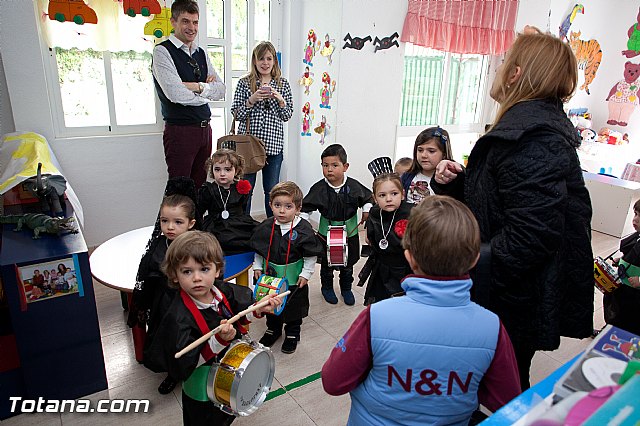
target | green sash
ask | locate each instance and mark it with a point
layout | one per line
(632, 271)
(293, 270)
(352, 225)
(196, 385)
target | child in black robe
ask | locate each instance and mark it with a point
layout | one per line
(152, 295)
(282, 252)
(225, 201)
(621, 306)
(194, 261)
(337, 198)
(385, 228)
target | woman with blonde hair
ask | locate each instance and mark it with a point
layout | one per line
(524, 184)
(264, 96)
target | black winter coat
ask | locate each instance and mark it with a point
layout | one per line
(525, 187)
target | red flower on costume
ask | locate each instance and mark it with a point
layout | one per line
(243, 186)
(400, 227)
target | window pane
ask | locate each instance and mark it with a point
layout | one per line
(216, 54)
(239, 36)
(261, 24)
(133, 90)
(215, 18)
(234, 83)
(218, 121)
(464, 94)
(82, 87)
(421, 86)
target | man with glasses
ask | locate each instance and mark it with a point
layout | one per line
(185, 81)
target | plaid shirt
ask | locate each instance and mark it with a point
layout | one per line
(266, 117)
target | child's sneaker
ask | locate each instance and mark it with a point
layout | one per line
(329, 295)
(348, 297)
(269, 338)
(167, 385)
(289, 345)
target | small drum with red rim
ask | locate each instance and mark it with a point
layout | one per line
(605, 275)
(337, 250)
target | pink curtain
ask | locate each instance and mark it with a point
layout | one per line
(461, 26)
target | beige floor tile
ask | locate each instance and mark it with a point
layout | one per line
(283, 410)
(541, 366)
(120, 362)
(163, 409)
(321, 408)
(30, 419)
(568, 349)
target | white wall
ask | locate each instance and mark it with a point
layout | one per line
(365, 107)
(6, 116)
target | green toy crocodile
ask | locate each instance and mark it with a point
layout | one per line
(41, 223)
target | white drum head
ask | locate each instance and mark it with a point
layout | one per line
(250, 390)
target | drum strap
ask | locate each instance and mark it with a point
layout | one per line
(206, 351)
(351, 224)
(286, 259)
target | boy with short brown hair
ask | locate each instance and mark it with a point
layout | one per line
(400, 371)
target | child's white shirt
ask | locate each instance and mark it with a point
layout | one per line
(216, 346)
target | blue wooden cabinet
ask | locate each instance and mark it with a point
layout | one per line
(57, 338)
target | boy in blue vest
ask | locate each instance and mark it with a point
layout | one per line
(431, 356)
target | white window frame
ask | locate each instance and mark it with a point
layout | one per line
(62, 130)
(487, 108)
(51, 72)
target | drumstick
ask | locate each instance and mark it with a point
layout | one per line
(231, 320)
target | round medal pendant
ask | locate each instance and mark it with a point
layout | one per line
(225, 214)
(383, 244)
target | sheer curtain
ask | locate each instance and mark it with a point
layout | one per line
(114, 32)
(461, 26)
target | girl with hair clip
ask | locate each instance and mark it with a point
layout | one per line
(524, 184)
(152, 295)
(385, 228)
(264, 96)
(432, 146)
(225, 201)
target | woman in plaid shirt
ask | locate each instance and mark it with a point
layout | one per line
(265, 97)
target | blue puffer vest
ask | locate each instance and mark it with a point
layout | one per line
(430, 349)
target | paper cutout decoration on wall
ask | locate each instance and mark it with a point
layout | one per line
(306, 80)
(589, 55)
(143, 7)
(160, 26)
(356, 43)
(623, 97)
(386, 42)
(307, 120)
(326, 93)
(327, 48)
(72, 10)
(322, 129)
(310, 48)
(563, 30)
(633, 45)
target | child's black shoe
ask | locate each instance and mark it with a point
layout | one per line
(329, 295)
(269, 338)
(348, 297)
(289, 345)
(167, 385)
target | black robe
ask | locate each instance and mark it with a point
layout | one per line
(389, 265)
(622, 305)
(338, 206)
(303, 244)
(153, 293)
(178, 329)
(232, 233)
